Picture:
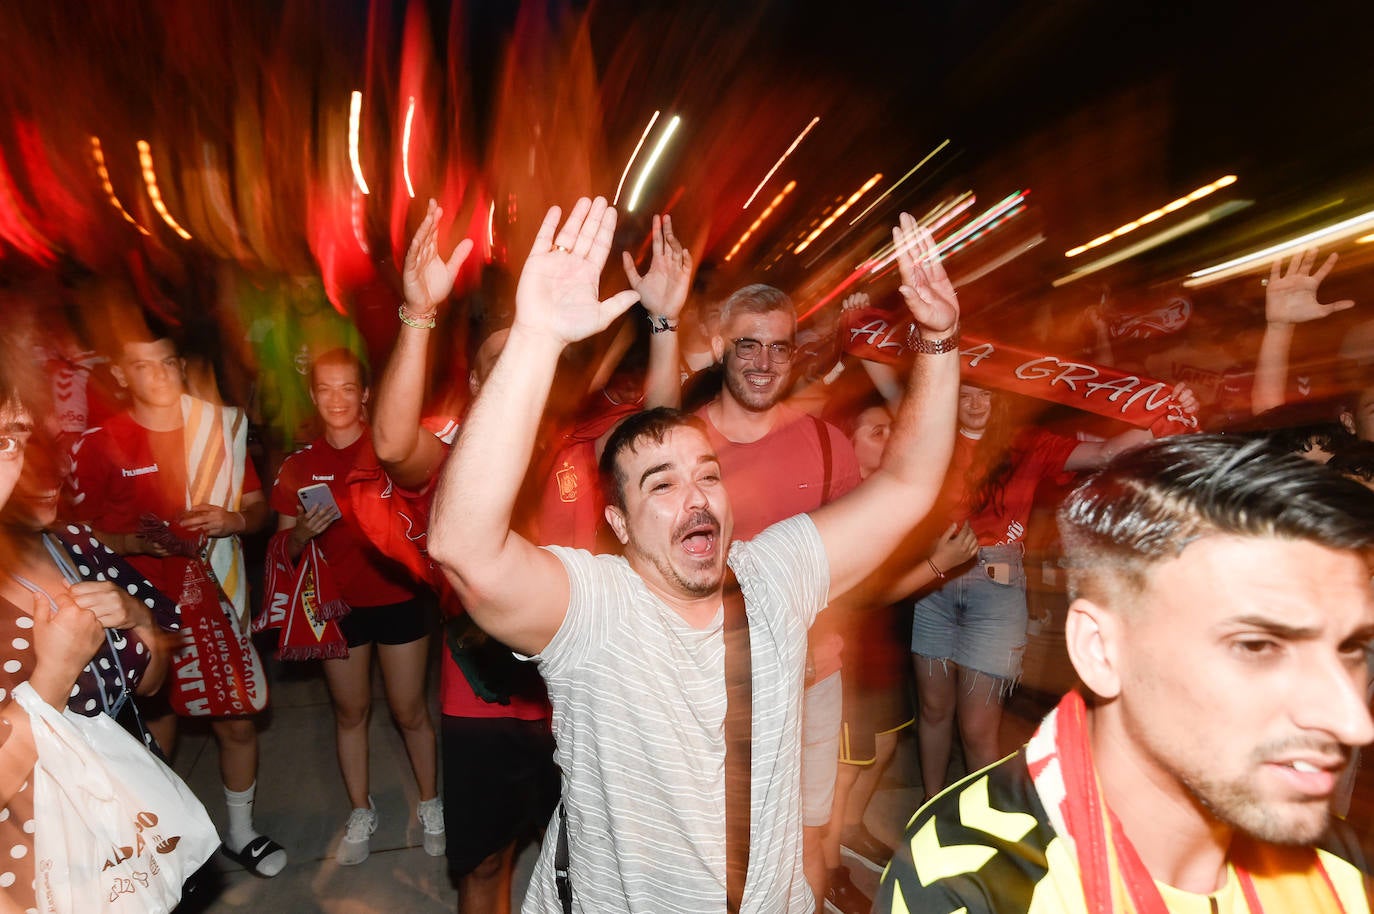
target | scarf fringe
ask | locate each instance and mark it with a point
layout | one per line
(321, 651)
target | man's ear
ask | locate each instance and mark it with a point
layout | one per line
(718, 347)
(118, 374)
(1093, 636)
(1348, 420)
(616, 518)
(367, 392)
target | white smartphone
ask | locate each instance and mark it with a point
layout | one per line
(317, 495)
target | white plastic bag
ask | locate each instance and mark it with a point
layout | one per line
(115, 829)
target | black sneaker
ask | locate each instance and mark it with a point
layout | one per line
(869, 850)
(843, 897)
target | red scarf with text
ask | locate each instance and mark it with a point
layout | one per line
(303, 602)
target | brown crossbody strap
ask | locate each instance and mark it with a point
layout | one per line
(739, 722)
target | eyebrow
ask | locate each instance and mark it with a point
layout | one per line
(1275, 627)
(667, 465)
(16, 427)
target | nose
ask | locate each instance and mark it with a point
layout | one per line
(1335, 700)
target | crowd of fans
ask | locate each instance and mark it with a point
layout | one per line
(399, 521)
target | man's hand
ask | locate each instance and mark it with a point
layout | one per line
(427, 279)
(925, 288)
(310, 524)
(1291, 298)
(557, 293)
(663, 289)
(110, 604)
(213, 520)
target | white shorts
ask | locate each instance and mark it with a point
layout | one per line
(822, 715)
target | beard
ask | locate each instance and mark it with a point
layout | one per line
(701, 578)
(1242, 804)
(746, 394)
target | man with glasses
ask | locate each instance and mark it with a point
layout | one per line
(777, 462)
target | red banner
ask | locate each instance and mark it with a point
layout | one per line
(1140, 401)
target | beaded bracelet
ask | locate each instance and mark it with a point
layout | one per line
(417, 323)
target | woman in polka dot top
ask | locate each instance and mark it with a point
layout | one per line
(76, 621)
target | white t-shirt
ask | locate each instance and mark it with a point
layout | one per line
(639, 715)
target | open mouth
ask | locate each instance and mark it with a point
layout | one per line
(700, 535)
(759, 379)
(1310, 777)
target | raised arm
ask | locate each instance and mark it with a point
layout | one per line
(1289, 299)
(408, 455)
(861, 528)
(663, 290)
(515, 591)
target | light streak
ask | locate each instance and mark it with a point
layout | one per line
(1365, 239)
(939, 216)
(768, 211)
(795, 143)
(888, 255)
(1234, 267)
(653, 160)
(1172, 206)
(642, 137)
(491, 228)
(405, 148)
(913, 171)
(145, 158)
(839, 211)
(355, 116)
(1154, 241)
(103, 173)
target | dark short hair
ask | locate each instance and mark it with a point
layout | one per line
(1148, 504)
(340, 356)
(653, 424)
(758, 298)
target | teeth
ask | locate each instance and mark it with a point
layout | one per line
(1305, 767)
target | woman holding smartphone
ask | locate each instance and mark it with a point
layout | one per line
(388, 608)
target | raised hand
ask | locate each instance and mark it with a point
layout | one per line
(1291, 298)
(663, 289)
(925, 288)
(427, 279)
(558, 290)
(855, 302)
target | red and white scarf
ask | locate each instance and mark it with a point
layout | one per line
(302, 601)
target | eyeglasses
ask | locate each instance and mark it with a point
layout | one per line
(749, 349)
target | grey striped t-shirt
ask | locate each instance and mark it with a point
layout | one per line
(639, 715)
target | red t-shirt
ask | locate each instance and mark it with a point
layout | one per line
(782, 475)
(362, 574)
(121, 471)
(572, 506)
(1037, 455)
(456, 696)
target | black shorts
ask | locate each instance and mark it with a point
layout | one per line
(397, 623)
(500, 785)
(868, 713)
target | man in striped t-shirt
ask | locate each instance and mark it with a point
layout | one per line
(632, 647)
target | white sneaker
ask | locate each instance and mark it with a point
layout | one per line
(431, 815)
(353, 849)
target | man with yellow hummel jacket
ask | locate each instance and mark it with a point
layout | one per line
(1221, 614)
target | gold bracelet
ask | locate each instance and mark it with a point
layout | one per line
(417, 323)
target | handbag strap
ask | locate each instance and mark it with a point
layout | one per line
(562, 880)
(739, 720)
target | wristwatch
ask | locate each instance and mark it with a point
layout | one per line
(916, 343)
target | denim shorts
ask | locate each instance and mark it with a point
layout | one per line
(974, 621)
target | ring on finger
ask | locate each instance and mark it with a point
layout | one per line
(561, 248)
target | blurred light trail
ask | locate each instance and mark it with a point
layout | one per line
(1246, 262)
(759, 221)
(1153, 241)
(491, 229)
(985, 229)
(885, 193)
(795, 143)
(965, 278)
(840, 211)
(1365, 239)
(940, 215)
(1203, 191)
(405, 147)
(634, 155)
(98, 154)
(355, 116)
(357, 212)
(653, 160)
(145, 159)
(888, 254)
